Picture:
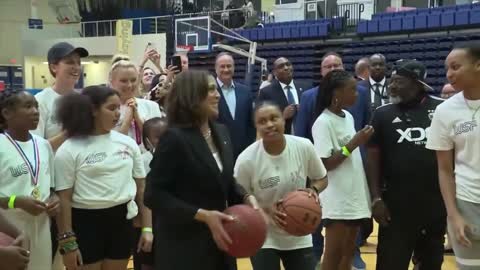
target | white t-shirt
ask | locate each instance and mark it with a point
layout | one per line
(147, 158)
(47, 125)
(100, 169)
(15, 178)
(269, 178)
(147, 109)
(346, 196)
(453, 128)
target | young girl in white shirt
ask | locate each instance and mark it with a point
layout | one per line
(346, 199)
(133, 111)
(455, 135)
(99, 177)
(269, 169)
(26, 174)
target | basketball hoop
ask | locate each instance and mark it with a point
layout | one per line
(184, 48)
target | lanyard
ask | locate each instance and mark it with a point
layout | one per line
(382, 93)
(34, 171)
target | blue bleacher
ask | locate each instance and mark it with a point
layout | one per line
(422, 19)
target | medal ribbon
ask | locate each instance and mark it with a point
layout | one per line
(138, 133)
(34, 171)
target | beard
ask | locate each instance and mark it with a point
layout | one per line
(395, 100)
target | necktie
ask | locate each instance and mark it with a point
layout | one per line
(377, 101)
(290, 98)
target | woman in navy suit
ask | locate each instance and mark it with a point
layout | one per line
(191, 180)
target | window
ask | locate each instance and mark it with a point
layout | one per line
(281, 2)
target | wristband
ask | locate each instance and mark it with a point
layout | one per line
(345, 151)
(147, 229)
(11, 202)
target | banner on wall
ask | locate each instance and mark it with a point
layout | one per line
(124, 36)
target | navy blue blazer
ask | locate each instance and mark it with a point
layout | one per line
(274, 93)
(241, 129)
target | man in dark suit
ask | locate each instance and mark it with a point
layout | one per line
(284, 92)
(377, 83)
(236, 104)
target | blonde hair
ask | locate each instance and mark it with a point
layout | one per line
(120, 57)
(121, 61)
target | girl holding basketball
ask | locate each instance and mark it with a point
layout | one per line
(133, 111)
(99, 177)
(26, 177)
(269, 169)
(346, 199)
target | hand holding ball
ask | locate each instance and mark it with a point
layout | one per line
(303, 212)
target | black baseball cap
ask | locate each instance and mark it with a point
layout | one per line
(62, 49)
(412, 69)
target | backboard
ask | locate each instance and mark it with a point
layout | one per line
(193, 34)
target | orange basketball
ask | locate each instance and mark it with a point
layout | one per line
(304, 213)
(5, 240)
(248, 231)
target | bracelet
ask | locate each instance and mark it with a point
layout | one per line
(246, 196)
(65, 235)
(345, 151)
(147, 229)
(68, 247)
(11, 202)
(66, 240)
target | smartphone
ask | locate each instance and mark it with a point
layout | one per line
(150, 45)
(176, 61)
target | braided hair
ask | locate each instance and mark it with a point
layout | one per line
(334, 80)
(8, 99)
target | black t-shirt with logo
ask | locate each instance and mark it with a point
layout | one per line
(408, 169)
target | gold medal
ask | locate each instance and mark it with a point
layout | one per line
(36, 193)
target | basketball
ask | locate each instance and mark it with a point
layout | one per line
(5, 240)
(304, 214)
(248, 231)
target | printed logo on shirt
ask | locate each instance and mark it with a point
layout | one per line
(124, 153)
(269, 182)
(18, 170)
(415, 135)
(397, 120)
(95, 158)
(465, 127)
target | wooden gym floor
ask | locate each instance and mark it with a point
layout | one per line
(368, 255)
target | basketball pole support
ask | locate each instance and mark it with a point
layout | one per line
(251, 54)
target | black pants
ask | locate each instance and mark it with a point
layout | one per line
(296, 259)
(53, 235)
(402, 237)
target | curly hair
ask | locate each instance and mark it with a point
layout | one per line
(334, 80)
(75, 112)
(8, 99)
(184, 102)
